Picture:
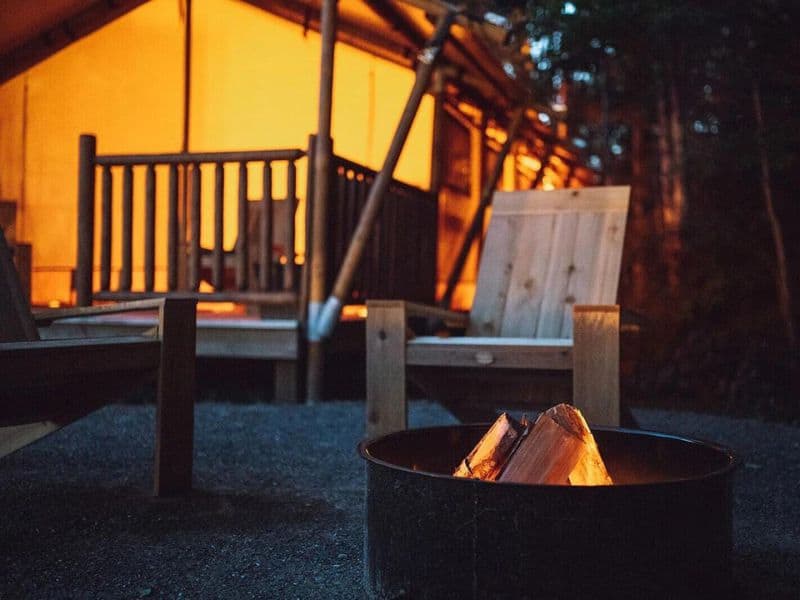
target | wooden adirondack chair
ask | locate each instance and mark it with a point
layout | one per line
(46, 384)
(544, 303)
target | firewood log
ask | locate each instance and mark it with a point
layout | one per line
(490, 454)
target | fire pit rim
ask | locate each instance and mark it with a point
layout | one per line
(733, 460)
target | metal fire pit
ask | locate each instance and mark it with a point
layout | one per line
(664, 529)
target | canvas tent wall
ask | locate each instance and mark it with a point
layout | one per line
(254, 86)
(253, 77)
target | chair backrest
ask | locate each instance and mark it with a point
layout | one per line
(16, 321)
(544, 252)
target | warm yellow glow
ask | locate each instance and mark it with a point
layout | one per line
(54, 304)
(354, 312)
(497, 134)
(530, 162)
(220, 308)
(463, 294)
(254, 86)
(470, 110)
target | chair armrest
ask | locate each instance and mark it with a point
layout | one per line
(46, 317)
(179, 308)
(413, 309)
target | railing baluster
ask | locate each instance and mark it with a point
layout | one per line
(265, 234)
(172, 229)
(150, 228)
(194, 216)
(242, 242)
(339, 232)
(218, 274)
(105, 231)
(291, 199)
(126, 273)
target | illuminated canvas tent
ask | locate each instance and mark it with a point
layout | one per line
(244, 75)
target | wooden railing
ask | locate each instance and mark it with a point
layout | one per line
(183, 247)
(400, 262)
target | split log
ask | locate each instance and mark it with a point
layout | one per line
(490, 454)
(558, 448)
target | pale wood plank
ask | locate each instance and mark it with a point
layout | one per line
(595, 375)
(595, 199)
(496, 353)
(386, 368)
(527, 287)
(558, 270)
(584, 260)
(494, 275)
(609, 268)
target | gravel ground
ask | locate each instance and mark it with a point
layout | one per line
(278, 502)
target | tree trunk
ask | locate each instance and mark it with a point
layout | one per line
(781, 277)
(670, 218)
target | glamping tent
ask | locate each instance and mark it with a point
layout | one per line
(227, 75)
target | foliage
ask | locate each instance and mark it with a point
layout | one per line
(612, 62)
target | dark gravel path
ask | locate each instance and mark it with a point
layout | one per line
(277, 511)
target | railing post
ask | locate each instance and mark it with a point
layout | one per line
(87, 150)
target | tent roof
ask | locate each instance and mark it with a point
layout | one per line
(392, 29)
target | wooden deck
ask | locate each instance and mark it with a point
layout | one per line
(219, 335)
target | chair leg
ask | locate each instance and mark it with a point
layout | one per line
(285, 386)
(387, 405)
(176, 392)
(595, 371)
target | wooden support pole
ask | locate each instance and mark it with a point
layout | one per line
(87, 150)
(319, 226)
(329, 315)
(486, 200)
(595, 370)
(387, 406)
(437, 144)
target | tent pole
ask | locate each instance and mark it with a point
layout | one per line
(329, 315)
(183, 211)
(486, 200)
(319, 227)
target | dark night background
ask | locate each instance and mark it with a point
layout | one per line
(693, 104)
